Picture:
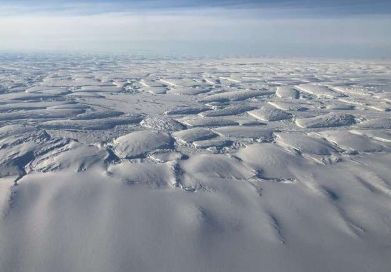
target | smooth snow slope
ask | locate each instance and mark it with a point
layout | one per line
(120, 163)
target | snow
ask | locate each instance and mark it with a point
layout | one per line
(194, 134)
(306, 143)
(139, 143)
(125, 163)
(327, 120)
(272, 161)
(319, 91)
(270, 113)
(235, 96)
(162, 123)
(287, 92)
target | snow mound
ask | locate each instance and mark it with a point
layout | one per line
(260, 133)
(93, 124)
(208, 122)
(195, 134)
(139, 143)
(10, 130)
(269, 113)
(327, 120)
(230, 110)
(378, 123)
(305, 143)
(287, 92)
(319, 91)
(188, 91)
(76, 156)
(235, 96)
(340, 106)
(98, 115)
(188, 110)
(155, 90)
(382, 136)
(289, 106)
(162, 123)
(155, 175)
(214, 143)
(40, 114)
(217, 165)
(271, 161)
(352, 142)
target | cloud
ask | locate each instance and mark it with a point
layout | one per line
(214, 30)
(123, 32)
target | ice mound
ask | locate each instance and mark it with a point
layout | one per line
(139, 143)
(327, 120)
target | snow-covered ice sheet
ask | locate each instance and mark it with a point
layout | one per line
(126, 163)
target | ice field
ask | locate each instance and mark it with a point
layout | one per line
(132, 163)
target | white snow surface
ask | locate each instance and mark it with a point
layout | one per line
(134, 163)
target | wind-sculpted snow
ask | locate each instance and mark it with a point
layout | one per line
(133, 163)
(327, 120)
(305, 143)
(162, 123)
(139, 143)
(194, 134)
(269, 113)
(287, 92)
(319, 90)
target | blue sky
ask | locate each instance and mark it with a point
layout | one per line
(298, 7)
(333, 28)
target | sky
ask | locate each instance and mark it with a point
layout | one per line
(282, 28)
